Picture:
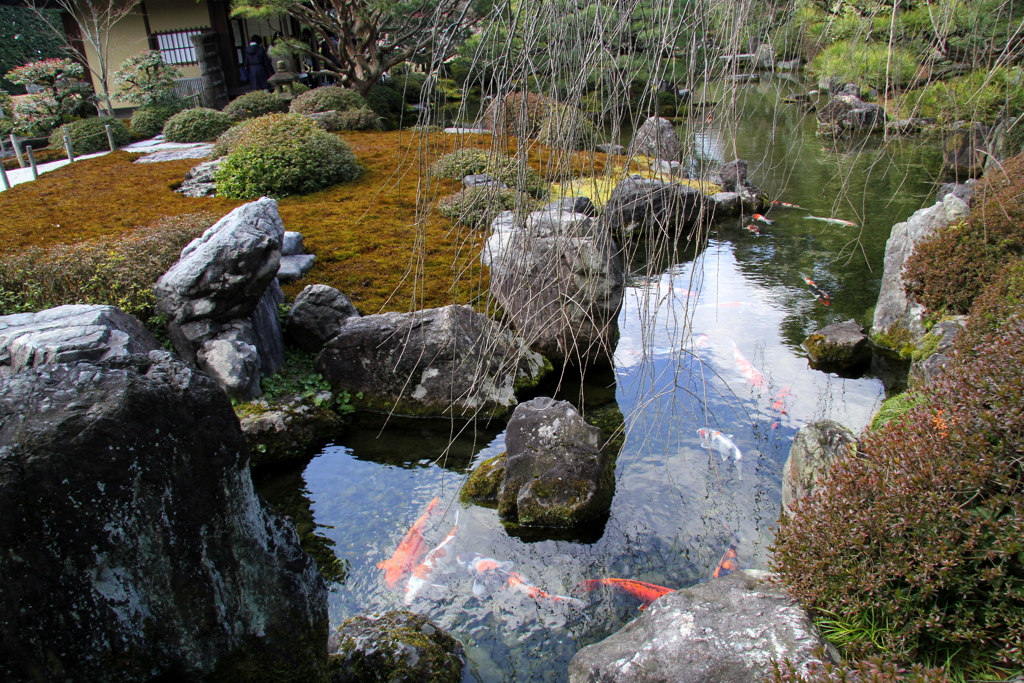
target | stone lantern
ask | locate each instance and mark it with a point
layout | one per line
(283, 82)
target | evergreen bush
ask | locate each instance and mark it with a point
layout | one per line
(984, 95)
(90, 135)
(870, 65)
(409, 85)
(327, 98)
(459, 164)
(146, 80)
(875, 670)
(148, 122)
(283, 154)
(476, 207)
(196, 125)
(363, 118)
(388, 104)
(254, 104)
(26, 37)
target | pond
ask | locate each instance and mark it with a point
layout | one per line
(710, 337)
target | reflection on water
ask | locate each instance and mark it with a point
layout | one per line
(710, 339)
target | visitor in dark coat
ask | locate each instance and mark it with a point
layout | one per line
(258, 63)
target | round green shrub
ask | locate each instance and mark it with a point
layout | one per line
(148, 122)
(327, 98)
(476, 207)
(299, 88)
(255, 104)
(567, 128)
(89, 135)
(196, 125)
(283, 154)
(911, 549)
(409, 85)
(388, 104)
(363, 118)
(459, 164)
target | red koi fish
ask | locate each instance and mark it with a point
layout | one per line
(754, 229)
(786, 205)
(779, 407)
(823, 297)
(518, 584)
(746, 368)
(409, 551)
(423, 575)
(728, 564)
(759, 217)
(645, 592)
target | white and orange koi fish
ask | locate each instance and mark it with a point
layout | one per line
(486, 571)
(759, 217)
(714, 440)
(409, 551)
(832, 221)
(518, 584)
(423, 575)
(746, 368)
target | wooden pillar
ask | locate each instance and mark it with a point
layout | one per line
(215, 89)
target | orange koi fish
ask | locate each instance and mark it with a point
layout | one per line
(754, 229)
(645, 592)
(485, 570)
(409, 551)
(779, 406)
(786, 205)
(822, 296)
(759, 217)
(518, 584)
(728, 564)
(423, 575)
(746, 368)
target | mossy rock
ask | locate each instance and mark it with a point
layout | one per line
(840, 344)
(291, 429)
(897, 338)
(396, 647)
(482, 486)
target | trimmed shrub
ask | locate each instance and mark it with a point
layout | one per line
(913, 548)
(476, 207)
(363, 118)
(299, 88)
(283, 154)
(90, 135)
(459, 164)
(949, 269)
(119, 271)
(388, 104)
(254, 104)
(64, 94)
(196, 125)
(519, 176)
(148, 122)
(870, 65)
(568, 128)
(517, 114)
(327, 98)
(146, 80)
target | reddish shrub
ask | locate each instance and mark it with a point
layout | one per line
(918, 540)
(517, 114)
(869, 671)
(1000, 301)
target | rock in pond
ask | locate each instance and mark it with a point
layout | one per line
(135, 547)
(898, 321)
(839, 345)
(656, 206)
(395, 647)
(816, 446)
(560, 282)
(448, 361)
(656, 138)
(725, 631)
(66, 334)
(316, 316)
(555, 473)
(848, 112)
(290, 428)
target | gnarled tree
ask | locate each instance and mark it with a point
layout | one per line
(362, 39)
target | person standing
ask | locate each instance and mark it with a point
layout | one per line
(258, 63)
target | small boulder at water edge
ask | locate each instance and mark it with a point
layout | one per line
(437, 361)
(728, 630)
(135, 547)
(654, 206)
(316, 316)
(394, 647)
(291, 428)
(815, 448)
(839, 345)
(656, 138)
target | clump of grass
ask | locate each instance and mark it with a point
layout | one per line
(984, 95)
(895, 407)
(117, 271)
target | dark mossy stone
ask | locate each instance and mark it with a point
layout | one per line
(482, 486)
(840, 344)
(395, 647)
(290, 429)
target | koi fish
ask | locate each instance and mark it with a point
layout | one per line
(786, 205)
(645, 592)
(714, 440)
(696, 342)
(409, 551)
(746, 368)
(728, 564)
(759, 217)
(832, 221)
(779, 407)
(822, 296)
(422, 577)
(518, 584)
(485, 570)
(754, 229)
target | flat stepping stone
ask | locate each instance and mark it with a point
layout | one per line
(190, 152)
(294, 267)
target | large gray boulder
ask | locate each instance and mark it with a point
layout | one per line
(656, 138)
(728, 630)
(66, 334)
(135, 547)
(560, 281)
(395, 646)
(848, 112)
(655, 206)
(556, 471)
(815, 448)
(316, 316)
(437, 361)
(844, 345)
(898, 320)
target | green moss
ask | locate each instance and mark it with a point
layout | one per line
(895, 407)
(524, 381)
(482, 486)
(897, 338)
(926, 347)
(395, 647)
